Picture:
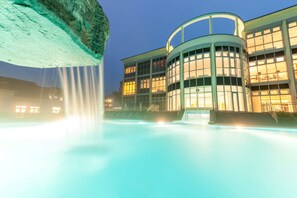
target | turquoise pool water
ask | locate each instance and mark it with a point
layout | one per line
(144, 160)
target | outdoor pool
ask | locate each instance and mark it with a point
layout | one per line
(127, 159)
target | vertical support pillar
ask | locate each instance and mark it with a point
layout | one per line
(182, 34)
(213, 78)
(289, 61)
(182, 87)
(123, 83)
(210, 25)
(236, 27)
(136, 84)
(150, 84)
(242, 67)
(166, 85)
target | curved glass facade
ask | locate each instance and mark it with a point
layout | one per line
(207, 78)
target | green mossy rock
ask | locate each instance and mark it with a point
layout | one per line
(85, 18)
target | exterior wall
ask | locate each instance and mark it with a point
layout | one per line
(22, 99)
(255, 69)
(144, 81)
(272, 47)
(207, 73)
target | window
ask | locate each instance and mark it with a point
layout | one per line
(197, 64)
(173, 73)
(20, 109)
(159, 64)
(158, 84)
(130, 71)
(268, 68)
(265, 40)
(227, 61)
(56, 110)
(293, 33)
(199, 97)
(145, 84)
(143, 68)
(276, 96)
(160, 100)
(142, 102)
(230, 98)
(34, 109)
(129, 88)
(173, 100)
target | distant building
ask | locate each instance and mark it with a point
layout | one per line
(113, 102)
(23, 99)
(253, 67)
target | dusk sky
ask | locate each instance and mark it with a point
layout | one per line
(139, 26)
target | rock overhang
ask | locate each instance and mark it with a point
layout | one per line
(52, 33)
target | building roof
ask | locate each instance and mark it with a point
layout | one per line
(156, 52)
(271, 18)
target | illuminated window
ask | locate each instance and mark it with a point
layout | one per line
(173, 100)
(230, 98)
(268, 68)
(145, 84)
(34, 109)
(272, 97)
(173, 72)
(158, 84)
(130, 69)
(129, 88)
(56, 110)
(293, 33)
(198, 97)
(197, 64)
(265, 40)
(20, 109)
(227, 61)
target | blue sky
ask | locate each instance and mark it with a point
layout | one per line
(138, 26)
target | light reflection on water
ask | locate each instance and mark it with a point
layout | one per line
(140, 159)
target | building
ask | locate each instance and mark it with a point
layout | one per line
(251, 66)
(23, 99)
(145, 80)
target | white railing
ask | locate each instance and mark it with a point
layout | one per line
(272, 111)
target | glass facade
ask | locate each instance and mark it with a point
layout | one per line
(276, 95)
(143, 68)
(230, 98)
(228, 61)
(268, 68)
(160, 100)
(129, 88)
(159, 64)
(265, 40)
(173, 100)
(146, 81)
(199, 97)
(198, 87)
(158, 84)
(173, 73)
(130, 71)
(293, 33)
(248, 71)
(197, 64)
(294, 56)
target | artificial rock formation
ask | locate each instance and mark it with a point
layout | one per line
(50, 33)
